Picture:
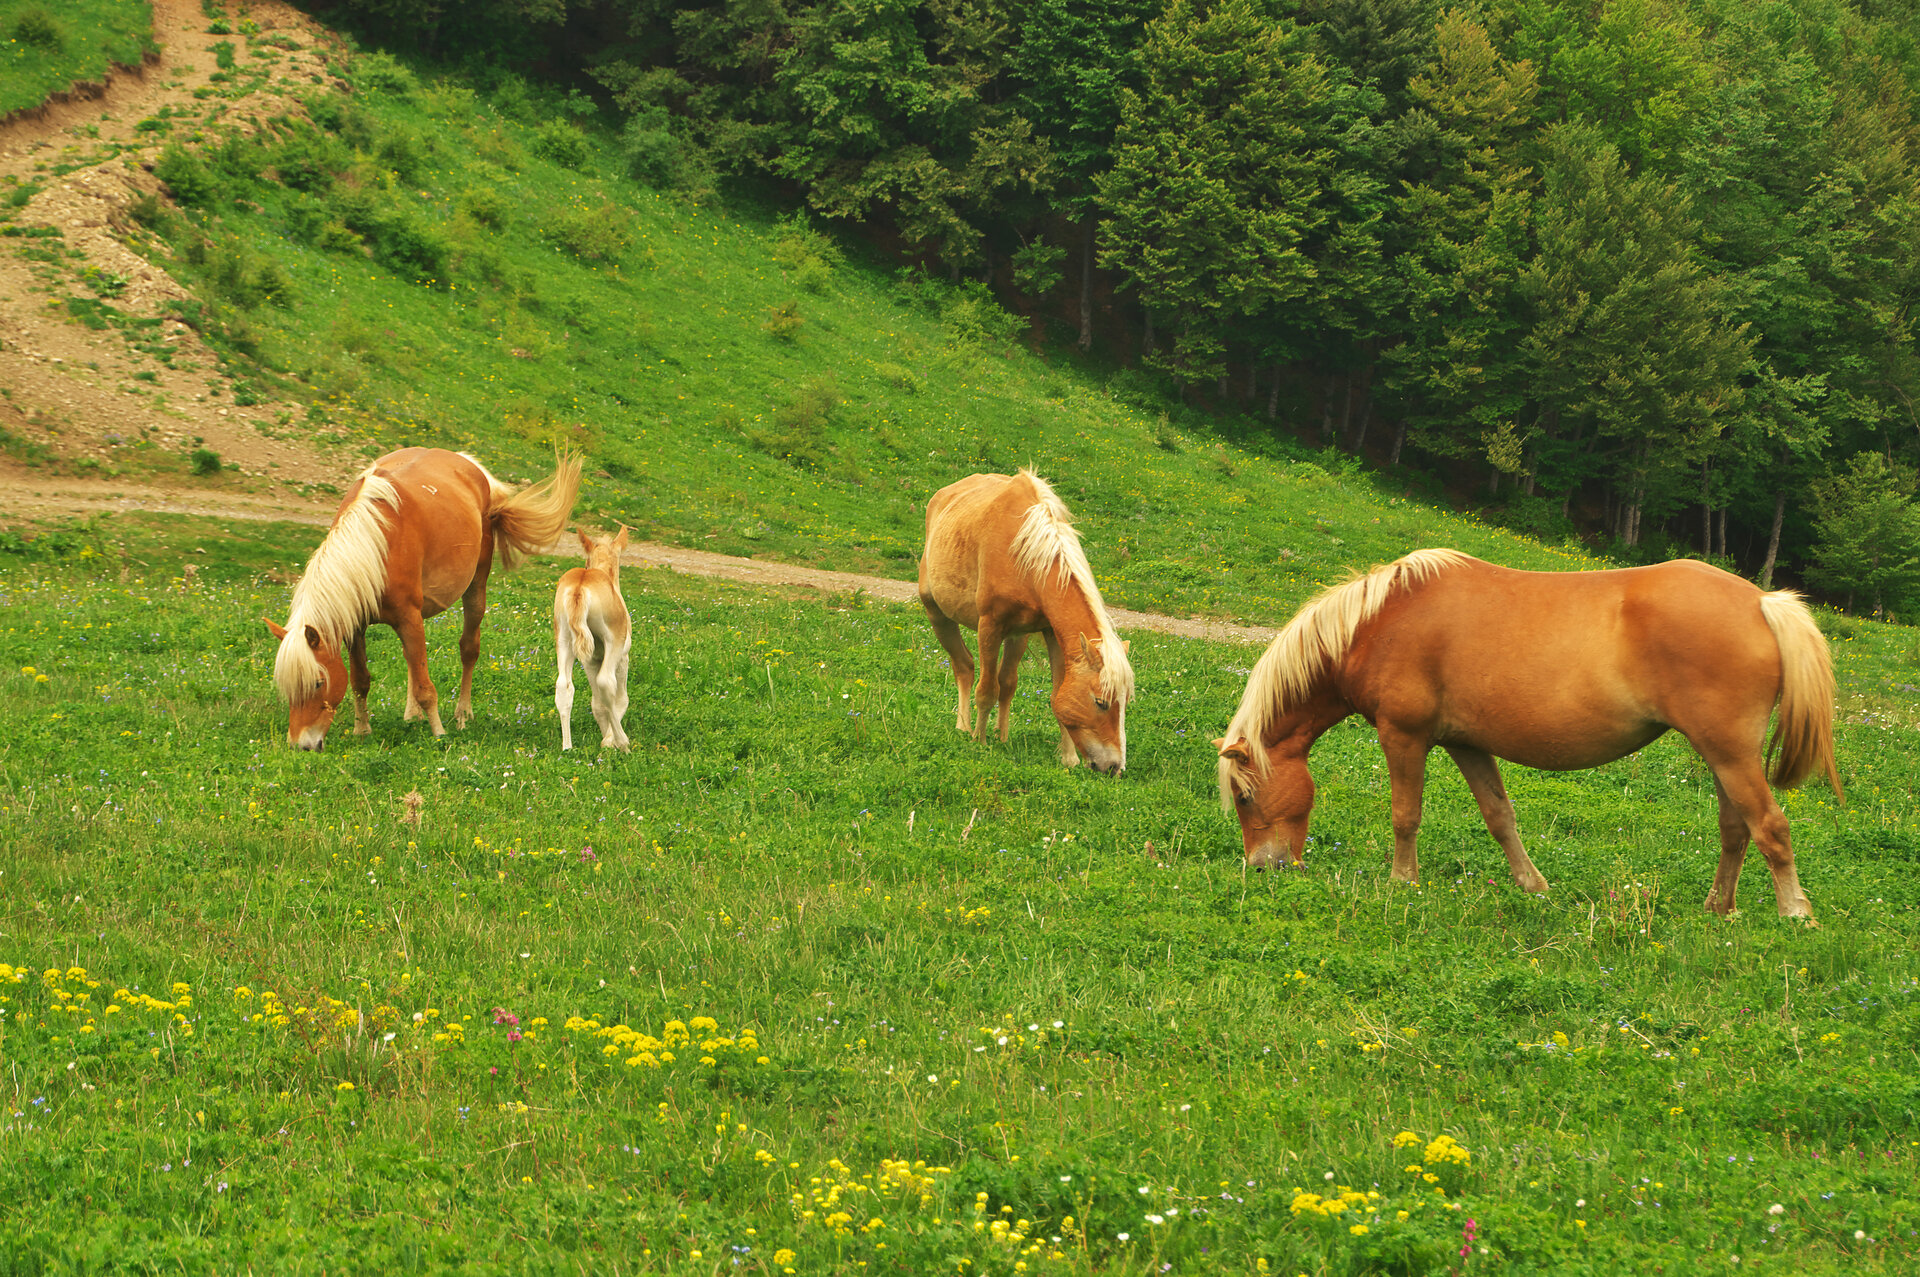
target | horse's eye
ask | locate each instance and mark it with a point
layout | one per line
(1241, 799)
(1099, 704)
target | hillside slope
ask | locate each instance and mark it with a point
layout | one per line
(400, 259)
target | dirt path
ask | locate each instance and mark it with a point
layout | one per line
(85, 400)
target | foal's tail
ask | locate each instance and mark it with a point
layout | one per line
(1803, 736)
(530, 520)
(578, 601)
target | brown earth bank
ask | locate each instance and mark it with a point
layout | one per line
(84, 400)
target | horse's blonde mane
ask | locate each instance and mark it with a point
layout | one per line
(1047, 543)
(341, 587)
(1313, 641)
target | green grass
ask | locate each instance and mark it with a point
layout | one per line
(737, 383)
(1059, 988)
(45, 45)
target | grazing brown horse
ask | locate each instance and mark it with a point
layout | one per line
(1554, 670)
(1002, 558)
(591, 625)
(417, 531)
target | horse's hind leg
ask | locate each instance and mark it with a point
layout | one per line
(1407, 775)
(563, 682)
(1010, 655)
(1483, 778)
(947, 630)
(617, 699)
(473, 609)
(362, 682)
(1748, 810)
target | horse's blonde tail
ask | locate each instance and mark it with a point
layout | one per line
(1803, 736)
(531, 519)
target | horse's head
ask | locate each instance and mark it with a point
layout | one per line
(312, 679)
(604, 555)
(1273, 797)
(1091, 703)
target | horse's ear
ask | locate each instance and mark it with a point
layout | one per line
(620, 539)
(1126, 645)
(586, 542)
(1236, 749)
(313, 638)
(1089, 650)
(278, 631)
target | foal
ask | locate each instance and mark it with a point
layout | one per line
(587, 607)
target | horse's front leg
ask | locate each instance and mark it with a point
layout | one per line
(1407, 773)
(473, 609)
(1010, 657)
(1057, 664)
(1483, 778)
(422, 696)
(362, 681)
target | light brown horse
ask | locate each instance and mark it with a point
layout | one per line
(591, 625)
(1554, 670)
(1002, 558)
(418, 530)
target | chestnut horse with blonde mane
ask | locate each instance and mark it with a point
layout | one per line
(1553, 670)
(417, 531)
(1003, 559)
(591, 625)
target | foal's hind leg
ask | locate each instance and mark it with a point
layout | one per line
(563, 682)
(1483, 778)
(947, 630)
(1010, 655)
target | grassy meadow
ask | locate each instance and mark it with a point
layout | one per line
(810, 983)
(47, 46)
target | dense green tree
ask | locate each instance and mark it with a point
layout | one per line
(1215, 181)
(1630, 337)
(1868, 533)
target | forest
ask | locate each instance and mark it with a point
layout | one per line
(1645, 268)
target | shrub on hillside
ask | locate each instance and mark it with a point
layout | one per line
(384, 74)
(403, 151)
(562, 144)
(657, 153)
(486, 206)
(798, 432)
(37, 28)
(784, 322)
(592, 234)
(189, 180)
(408, 246)
(805, 254)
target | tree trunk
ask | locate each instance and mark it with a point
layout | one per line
(1493, 481)
(1086, 287)
(1326, 409)
(1399, 440)
(1773, 539)
(1146, 341)
(1273, 396)
(1706, 508)
(1366, 416)
(1346, 412)
(1720, 537)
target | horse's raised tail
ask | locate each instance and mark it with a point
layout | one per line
(1803, 736)
(531, 519)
